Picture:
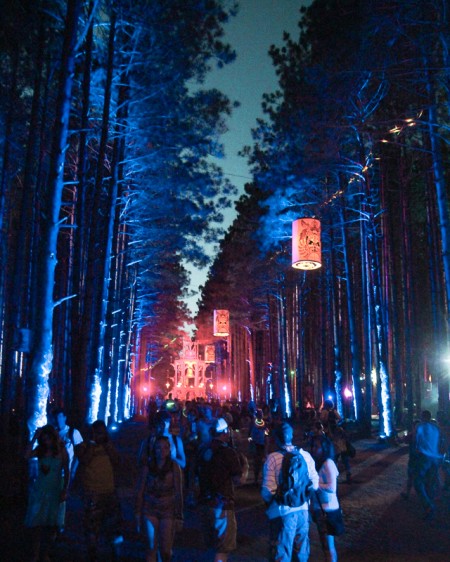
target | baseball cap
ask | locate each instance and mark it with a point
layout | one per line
(221, 426)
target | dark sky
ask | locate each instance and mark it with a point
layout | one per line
(258, 24)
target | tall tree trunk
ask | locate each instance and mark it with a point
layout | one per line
(251, 364)
(78, 360)
(437, 291)
(379, 326)
(300, 358)
(7, 327)
(408, 299)
(284, 375)
(444, 226)
(355, 349)
(118, 267)
(42, 354)
(100, 249)
(367, 323)
(333, 306)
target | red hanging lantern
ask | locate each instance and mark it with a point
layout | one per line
(306, 246)
(210, 354)
(221, 323)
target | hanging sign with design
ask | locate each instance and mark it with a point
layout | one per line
(306, 246)
(221, 323)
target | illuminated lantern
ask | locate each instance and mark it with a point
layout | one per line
(221, 323)
(306, 247)
(210, 355)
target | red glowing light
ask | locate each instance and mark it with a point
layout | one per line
(348, 393)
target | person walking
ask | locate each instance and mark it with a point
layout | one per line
(161, 426)
(48, 491)
(200, 445)
(159, 501)
(257, 443)
(428, 459)
(70, 436)
(101, 508)
(325, 500)
(220, 469)
(288, 526)
(329, 417)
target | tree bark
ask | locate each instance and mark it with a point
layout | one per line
(42, 353)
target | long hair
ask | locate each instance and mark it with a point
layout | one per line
(154, 469)
(327, 451)
(56, 443)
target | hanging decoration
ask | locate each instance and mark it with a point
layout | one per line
(210, 354)
(221, 323)
(306, 246)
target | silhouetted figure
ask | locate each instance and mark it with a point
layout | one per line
(159, 501)
(48, 492)
(71, 438)
(427, 446)
(220, 469)
(161, 425)
(329, 417)
(102, 515)
(258, 433)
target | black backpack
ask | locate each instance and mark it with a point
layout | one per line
(295, 485)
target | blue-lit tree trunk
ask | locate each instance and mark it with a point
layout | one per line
(79, 329)
(42, 353)
(408, 298)
(366, 312)
(379, 334)
(282, 346)
(377, 306)
(444, 227)
(100, 243)
(117, 310)
(333, 305)
(354, 343)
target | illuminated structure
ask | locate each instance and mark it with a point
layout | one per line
(190, 376)
(306, 245)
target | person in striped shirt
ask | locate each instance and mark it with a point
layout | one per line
(289, 526)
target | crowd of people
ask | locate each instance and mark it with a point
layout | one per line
(190, 457)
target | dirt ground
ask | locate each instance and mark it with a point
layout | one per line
(380, 525)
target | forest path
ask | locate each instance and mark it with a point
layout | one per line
(380, 525)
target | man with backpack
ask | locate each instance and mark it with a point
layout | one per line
(289, 475)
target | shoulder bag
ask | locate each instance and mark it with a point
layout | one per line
(333, 520)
